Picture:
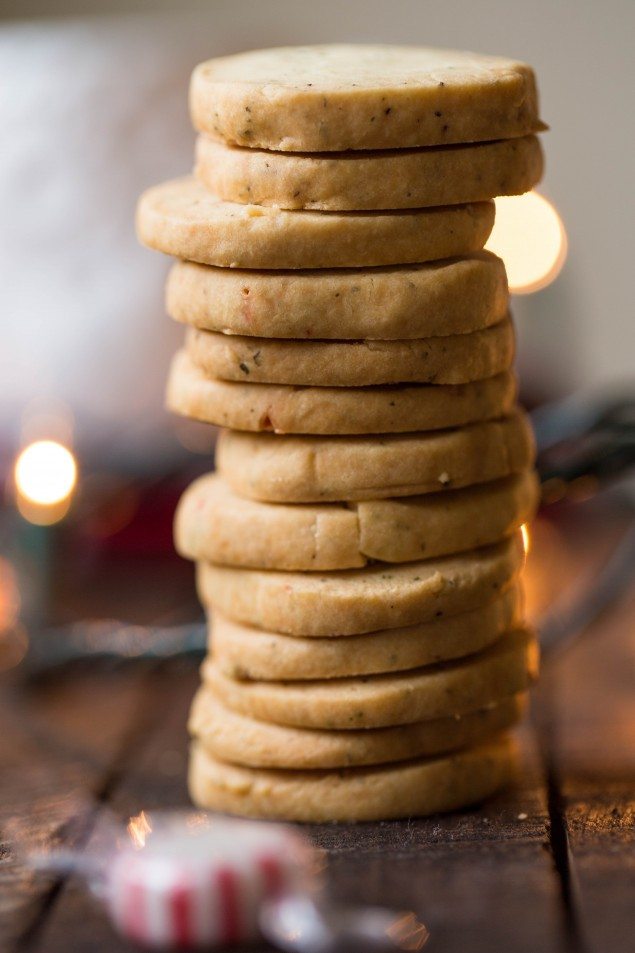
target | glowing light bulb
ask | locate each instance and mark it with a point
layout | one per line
(45, 477)
(524, 532)
(529, 236)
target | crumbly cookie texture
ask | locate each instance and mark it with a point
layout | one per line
(354, 601)
(451, 359)
(411, 301)
(183, 219)
(242, 652)
(406, 178)
(284, 409)
(338, 97)
(214, 524)
(293, 469)
(406, 789)
(239, 739)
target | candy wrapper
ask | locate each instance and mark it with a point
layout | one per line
(186, 880)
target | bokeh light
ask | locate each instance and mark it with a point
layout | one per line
(138, 829)
(524, 532)
(530, 238)
(45, 476)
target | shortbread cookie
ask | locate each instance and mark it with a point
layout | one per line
(242, 652)
(182, 218)
(360, 600)
(334, 410)
(406, 178)
(413, 301)
(239, 739)
(337, 97)
(398, 698)
(451, 359)
(215, 525)
(409, 788)
(292, 469)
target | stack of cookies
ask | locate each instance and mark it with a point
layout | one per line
(359, 546)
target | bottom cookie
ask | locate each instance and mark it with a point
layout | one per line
(407, 789)
(239, 739)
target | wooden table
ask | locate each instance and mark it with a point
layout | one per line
(548, 865)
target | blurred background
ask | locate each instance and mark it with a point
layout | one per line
(93, 110)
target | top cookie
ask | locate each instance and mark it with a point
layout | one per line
(338, 97)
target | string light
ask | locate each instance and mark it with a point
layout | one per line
(524, 532)
(45, 476)
(529, 236)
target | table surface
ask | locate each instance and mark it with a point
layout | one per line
(548, 865)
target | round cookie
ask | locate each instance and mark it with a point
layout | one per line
(183, 219)
(336, 97)
(242, 652)
(406, 178)
(293, 469)
(398, 698)
(360, 600)
(411, 788)
(215, 525)
(412, 301)
(334, 410)
(236, 738)
(451, 359)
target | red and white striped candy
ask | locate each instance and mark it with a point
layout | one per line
(199, 880)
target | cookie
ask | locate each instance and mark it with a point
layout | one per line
(239, 739)
(360, 600)
(397, 698)
(183, 219)
(337, 97)
(292, 469)
(412, 301)
(409, 788)
(334, 410)
(451, 359)
(242, 652)
(406, 178)
(215, 525)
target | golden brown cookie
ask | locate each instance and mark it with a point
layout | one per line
(236, 738)
(183, 219)
(412, 301)
(337, 97)
(403, 178)
(398, 698)
(334, 410)
(451, 359)
(293, 469)
(242, 652)
(214, 524)
(361, 600)
(408, 788)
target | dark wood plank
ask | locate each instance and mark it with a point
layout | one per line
(152, 776)
(586, 712)
(60, 746)
(594, 754)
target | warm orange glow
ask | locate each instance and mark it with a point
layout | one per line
(45, 476)
(13, 638)
(530, 238)
(524, 531)
(408, 932)
(138, 829)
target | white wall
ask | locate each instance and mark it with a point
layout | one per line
(97, 109)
